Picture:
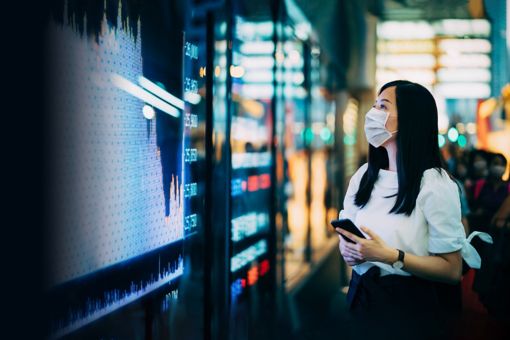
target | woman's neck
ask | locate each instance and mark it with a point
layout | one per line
(391, 149)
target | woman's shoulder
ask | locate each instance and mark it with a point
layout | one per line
(362, 169)
(436, 175)
(359, 173)
(356, 177)
(439, 193)
(438, 180)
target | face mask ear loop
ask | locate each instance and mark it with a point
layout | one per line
(386, 120)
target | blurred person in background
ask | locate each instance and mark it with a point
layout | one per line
(491, 212)
(478, 164)
(454, 157)
(460, 172)
(489, 193)
(502, 217)
(477, 167)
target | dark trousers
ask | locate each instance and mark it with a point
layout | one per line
(394, 307)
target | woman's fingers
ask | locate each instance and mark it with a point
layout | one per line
(344, 248)
(352, 253)
(349, 251)
(370, 233)
(352, 246)
(351, 261)
(349, 235)
(357, 256)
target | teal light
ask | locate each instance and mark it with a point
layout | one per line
(325, 134)
(442, 140)
(160, 84)
(308, 136)
(331, 139)
(462, 141)
(453, 134)
(349, 139)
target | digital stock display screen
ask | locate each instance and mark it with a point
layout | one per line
(252, 162)
(131, 250)
(194, 130)
(117, 220)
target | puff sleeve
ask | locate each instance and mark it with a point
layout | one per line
(439, 200)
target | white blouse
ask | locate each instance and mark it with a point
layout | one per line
(434, 227)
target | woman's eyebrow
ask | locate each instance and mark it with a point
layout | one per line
(383, 100)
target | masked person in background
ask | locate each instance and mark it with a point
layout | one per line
(477, 169)
(489, 193)
(480, 167)
(491, 214)
(461, 171)
(408, 207)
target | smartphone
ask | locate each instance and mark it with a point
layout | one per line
(348, 225)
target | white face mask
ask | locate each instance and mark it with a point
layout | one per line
(480, 166)
(375, 127)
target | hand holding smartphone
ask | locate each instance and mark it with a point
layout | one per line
(348, 225)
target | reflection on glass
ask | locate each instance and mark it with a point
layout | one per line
(251, 137)
(308, 137)
(117, 227)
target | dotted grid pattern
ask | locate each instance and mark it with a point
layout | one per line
(108, 177)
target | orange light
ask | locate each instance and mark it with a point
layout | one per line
(202, 72)
(253, 183)
(264, 181)
(253, 275)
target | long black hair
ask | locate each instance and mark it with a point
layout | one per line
(417, 147)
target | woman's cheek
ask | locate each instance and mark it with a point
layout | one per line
(391, 124)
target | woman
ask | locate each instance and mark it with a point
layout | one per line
(408, 207)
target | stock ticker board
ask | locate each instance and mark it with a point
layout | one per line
(117, 219)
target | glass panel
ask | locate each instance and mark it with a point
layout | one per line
(296, 135)
(252, 161)
(115, 255)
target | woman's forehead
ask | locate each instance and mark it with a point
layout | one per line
(388, 93)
